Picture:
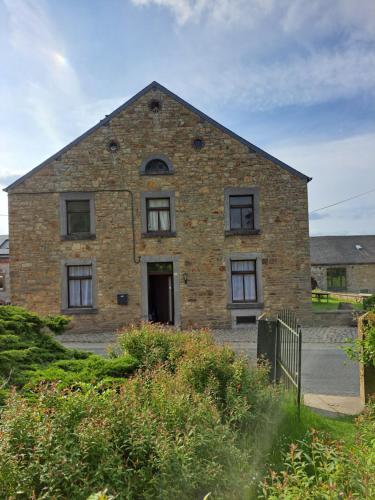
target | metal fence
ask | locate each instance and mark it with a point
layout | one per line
(289, 352)
(280, 343)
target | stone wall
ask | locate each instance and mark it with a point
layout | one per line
(359, 277)
(200, 244)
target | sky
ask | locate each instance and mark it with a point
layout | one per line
(294, 77)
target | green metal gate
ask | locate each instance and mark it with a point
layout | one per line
(280, 343)
(289, 352)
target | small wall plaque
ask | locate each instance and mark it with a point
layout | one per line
(122, 299)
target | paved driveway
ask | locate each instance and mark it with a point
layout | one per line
(325, 368)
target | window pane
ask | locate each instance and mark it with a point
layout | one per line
(78, 206)
(336, 278)
(153, 267)
(86, 292)
(156, 166)
(152, 224)
(78, 222)
(74, 293)
(75, 271)
(250, 289)
(237, 287)
(241, 200)
(247, 218)
(235, 218)
(158, 203)
(164, 221)
(243, 265)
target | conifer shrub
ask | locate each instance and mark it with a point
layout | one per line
(25, 346)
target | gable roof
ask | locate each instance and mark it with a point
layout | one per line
(332, 250)
(157, 86)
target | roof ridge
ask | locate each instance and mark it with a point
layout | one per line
(156, 85)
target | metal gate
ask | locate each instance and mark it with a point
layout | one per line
(288, 352)
(280, 343)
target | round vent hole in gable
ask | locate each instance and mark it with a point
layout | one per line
(113, 146)
(155, 106)
(198, 143)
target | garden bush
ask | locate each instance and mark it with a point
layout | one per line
(369, 303)
(363, 350)
(26, 345)
(75, 372)
(319, 467)
(187, 423)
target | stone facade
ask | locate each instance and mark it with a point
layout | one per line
(200, 248)
(359, 277)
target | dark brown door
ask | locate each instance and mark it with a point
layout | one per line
(160, 297)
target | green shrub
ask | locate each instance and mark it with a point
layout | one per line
(189, 422)
(363, 350)
(57, 324)
(155, 438)
(318, 467)
(369, 303)
(25, 346)
(153, 344)
(75, 372)
(208, 368)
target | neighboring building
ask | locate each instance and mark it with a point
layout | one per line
(160, 213)
(343, 263)
(4, 270)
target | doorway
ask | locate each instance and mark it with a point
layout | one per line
(160, 292)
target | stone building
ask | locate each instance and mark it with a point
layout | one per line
(343, 263)
(160, 213)
(4, 270)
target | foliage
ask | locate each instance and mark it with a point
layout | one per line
(363, 349)
(369, 303)
(25, 346)
(319, 467)
(75, 372)
(189, 422)
(57, 324)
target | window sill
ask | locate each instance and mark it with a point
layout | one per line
(75, 237)
(241, 232)
(80, 310)
(159, 234)
(245, 305)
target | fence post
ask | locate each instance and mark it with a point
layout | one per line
(299, 385)
(266, 344)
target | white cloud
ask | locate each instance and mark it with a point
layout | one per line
(49, 81)
(312, 18)
(340, 169)
(317, 78)
(268, 54)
